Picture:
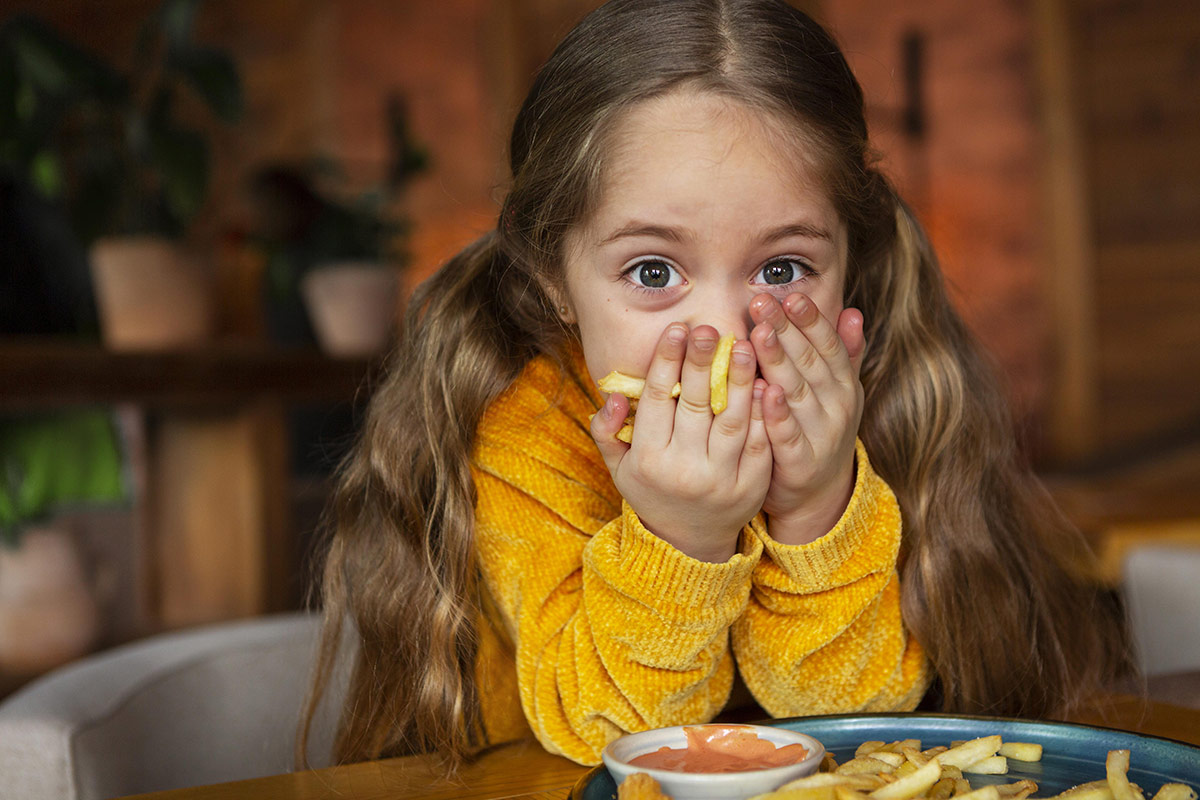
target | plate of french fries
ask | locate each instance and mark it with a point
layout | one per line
(946, 757)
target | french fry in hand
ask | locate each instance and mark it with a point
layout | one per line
(718, 375)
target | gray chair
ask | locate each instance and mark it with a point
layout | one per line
(208, 705)
(1161, 588)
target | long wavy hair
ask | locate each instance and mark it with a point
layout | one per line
(993, 577)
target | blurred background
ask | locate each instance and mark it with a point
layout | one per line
(191, 193)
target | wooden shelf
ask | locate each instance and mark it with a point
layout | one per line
(212, 528)
(41, 373)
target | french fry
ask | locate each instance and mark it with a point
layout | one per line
(868, 747)
(718, 374)
(982, 793)
(818, 779)
(1175, 791)
(640, 786)
(1116, 767)
(1092, 790)
(992, 765)
(912, 785)
(1018, 790)
(800, 793)
(895, 759)
(872, 765)
(942, 790)
(1021, 751)
(968, 753)
(846, 793)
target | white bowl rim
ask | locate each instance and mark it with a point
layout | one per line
(816, 752)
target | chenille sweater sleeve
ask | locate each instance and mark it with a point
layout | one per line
(822, 632)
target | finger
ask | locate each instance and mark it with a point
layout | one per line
(780, 371)
(850, 330)
(656, 406)
(606, 423)
(783, 428)
(729, 428)
(819, 333)
(755, 465)
(783, 349)
(693, 414)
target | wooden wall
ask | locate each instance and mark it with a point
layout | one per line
(1058, 170)
(1138, 82)
(1121, 99)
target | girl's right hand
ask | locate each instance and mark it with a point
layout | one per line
(693, 478)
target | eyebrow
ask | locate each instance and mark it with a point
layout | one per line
(797, 229)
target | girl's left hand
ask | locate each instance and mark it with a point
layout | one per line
(812, 407)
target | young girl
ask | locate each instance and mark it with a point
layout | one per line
(855, 527)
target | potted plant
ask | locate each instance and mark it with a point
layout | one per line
(341, 252)
(113, 148)
(51, 463)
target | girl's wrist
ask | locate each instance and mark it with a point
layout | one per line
(814, 518)
(715, 549)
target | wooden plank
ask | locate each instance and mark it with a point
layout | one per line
(1069, 256)
(220, 516)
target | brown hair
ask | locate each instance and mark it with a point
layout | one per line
(990, 572)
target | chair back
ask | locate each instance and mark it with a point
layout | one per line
(1161, 586)
(209, 705)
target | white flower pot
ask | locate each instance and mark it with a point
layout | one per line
(151, 294)
(49, 614)
(353, 306)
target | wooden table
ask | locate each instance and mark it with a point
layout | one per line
(524, 771)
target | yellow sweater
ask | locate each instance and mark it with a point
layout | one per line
(594, 627)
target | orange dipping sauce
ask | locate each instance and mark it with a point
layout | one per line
(721, 748)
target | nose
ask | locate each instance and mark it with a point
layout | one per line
(725, 308)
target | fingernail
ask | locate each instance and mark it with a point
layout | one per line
(705, 343)
(770, 339)
(741, 356)
(676, 334)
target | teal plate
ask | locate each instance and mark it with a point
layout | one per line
(1071, 754)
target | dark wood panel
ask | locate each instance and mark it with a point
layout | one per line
(49, 373)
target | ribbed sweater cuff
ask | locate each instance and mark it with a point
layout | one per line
(649, 569)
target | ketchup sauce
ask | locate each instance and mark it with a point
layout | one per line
(721, 748)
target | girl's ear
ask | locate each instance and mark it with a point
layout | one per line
(559, 302)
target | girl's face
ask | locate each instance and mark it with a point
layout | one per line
(705, 204)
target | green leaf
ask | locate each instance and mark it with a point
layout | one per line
(46, 174)
(54, 462)
(214, 76)
(57, 67)
(177, 20)
(182, 160)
